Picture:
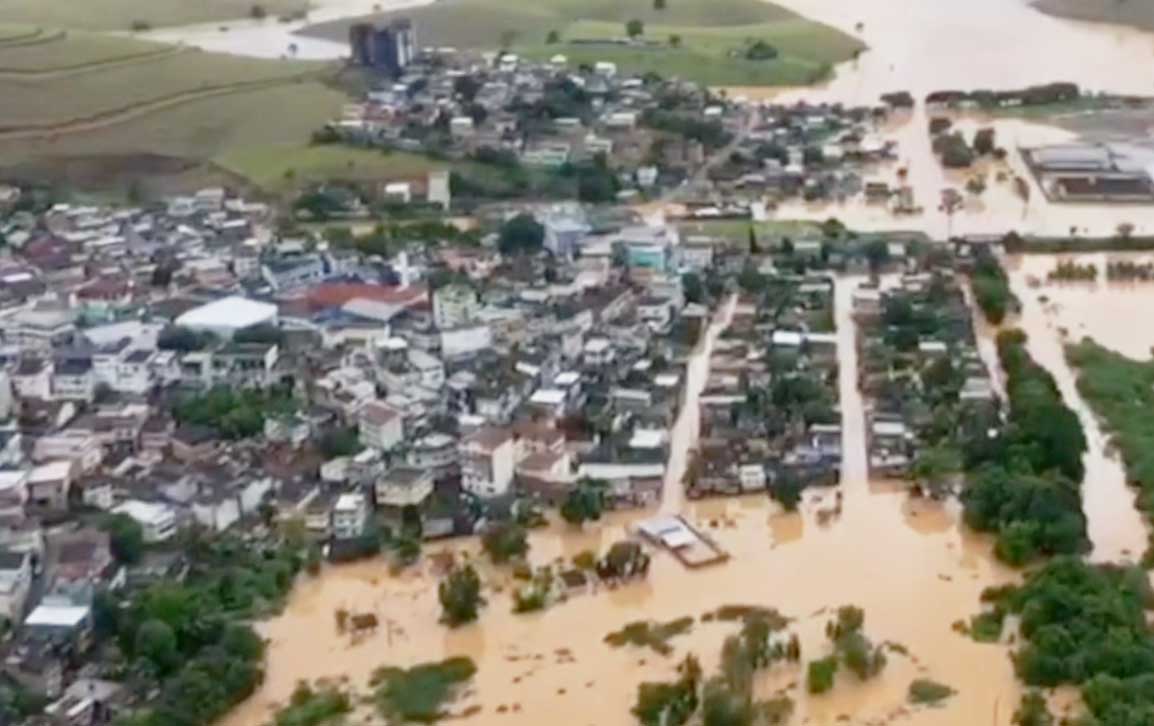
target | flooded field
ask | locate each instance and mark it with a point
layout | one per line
(908, 563)
(1055, 313)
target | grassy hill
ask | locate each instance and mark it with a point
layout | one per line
(106, 107)
(712, 35)
(1135, 13)
(122, 14)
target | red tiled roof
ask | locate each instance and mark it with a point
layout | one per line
(335, 294)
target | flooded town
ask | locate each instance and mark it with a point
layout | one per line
(655, 363)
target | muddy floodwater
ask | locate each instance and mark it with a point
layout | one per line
(1113, 314)
(908, 563)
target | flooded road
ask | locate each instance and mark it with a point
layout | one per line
(908, 563)
(1054, 314)
(687, 429)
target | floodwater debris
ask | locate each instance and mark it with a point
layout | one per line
(649, 634)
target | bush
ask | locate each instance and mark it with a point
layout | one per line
(418, 693)
(759, 50)
(820, 674)
(925, 691)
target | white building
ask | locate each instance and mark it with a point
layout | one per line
(15, 583)
(157, 520)
(82, 448)
(228, 315)
(350, 515)
(455, 306)
(380, 425)
(41, 328)
(464, 342)
(488, 461)
(404, 487)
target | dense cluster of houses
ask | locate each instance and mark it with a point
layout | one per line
(188, 367)
(655, 136)
(769, 412)
(506, 111)
(918, 366)
(815, 152)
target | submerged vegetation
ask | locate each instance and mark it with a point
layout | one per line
(727, 698)
(421, 692)
(648, 634)
(1027, 490)
(1121, 392)
(191, 640)
(310, 706)
(926, 691)
(852, 649)
(991, 287)
(1086, 625)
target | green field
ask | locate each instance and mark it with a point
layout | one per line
(280, 167)
(63, 52)
(121, 14)
(93, 109)
(712, 36)
(65, 99)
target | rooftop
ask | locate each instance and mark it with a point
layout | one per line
(233, 312)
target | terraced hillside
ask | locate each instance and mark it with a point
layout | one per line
(110, 101)
(701, 40)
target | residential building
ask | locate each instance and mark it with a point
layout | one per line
(15, 584)
(350, 516)
(488, 461)
(403, 486)
(380, 425)
(157, 520)
(455, 306)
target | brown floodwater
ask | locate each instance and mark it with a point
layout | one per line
(908, 563)
(1056, 313)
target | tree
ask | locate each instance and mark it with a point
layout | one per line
(984, 141)
(155, 642)
(976, 185)
(257, 12)
(344, 441)
(1032, 711)
(1125, 230)
(820, 674)
(460, 596)
(584, 503)
(787, 489)
(522, 234)
(935, 467)
(634, 28)
(754, 247)
(877, 254)
(675, 41)
(659, 5)
(552, 38)
(693, 287)
(504, 541)
(126, 538)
